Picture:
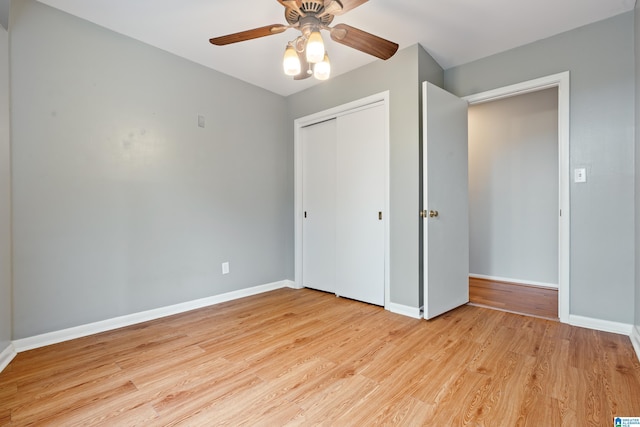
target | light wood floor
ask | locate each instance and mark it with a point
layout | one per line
(301, 357)
(513, 297)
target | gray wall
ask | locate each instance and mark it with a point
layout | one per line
(121, 202)
(400, 75)
(513, 188)
(5, 196)
(637, 169)
(600, 58)
(124, 204)
(4, 13)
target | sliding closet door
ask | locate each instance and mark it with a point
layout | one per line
(360, 193)
(319, 206)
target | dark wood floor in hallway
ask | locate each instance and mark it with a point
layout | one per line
(301, 357)
(514, 297)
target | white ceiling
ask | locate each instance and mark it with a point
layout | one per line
(454, 32)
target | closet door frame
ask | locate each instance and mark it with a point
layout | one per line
(379, 98)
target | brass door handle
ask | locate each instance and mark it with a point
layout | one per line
(431, 214)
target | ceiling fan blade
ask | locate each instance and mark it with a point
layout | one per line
(304, 68)
(249, 34)
(363, 41)
(348, 5)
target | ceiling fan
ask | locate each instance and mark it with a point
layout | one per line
(305, 55)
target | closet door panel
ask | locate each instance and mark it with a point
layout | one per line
(319, 206)
(359, 205)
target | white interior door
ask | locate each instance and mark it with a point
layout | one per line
(360, 201)
(319, 206)
(446, 201)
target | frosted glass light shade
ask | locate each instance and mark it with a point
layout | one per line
(291, 62)
(322, 70)
(315, 48)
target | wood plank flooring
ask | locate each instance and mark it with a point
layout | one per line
(302, 357)
(514, 297)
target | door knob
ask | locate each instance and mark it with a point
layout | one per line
(433, 214)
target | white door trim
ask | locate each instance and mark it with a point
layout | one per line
(561, 81)
(382, 97)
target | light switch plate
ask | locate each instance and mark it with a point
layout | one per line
(580, 175)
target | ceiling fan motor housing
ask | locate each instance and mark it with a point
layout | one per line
(309, 8)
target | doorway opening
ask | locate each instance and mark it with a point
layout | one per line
(519, 192)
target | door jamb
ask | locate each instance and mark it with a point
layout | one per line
(561, 81)
(382, 97)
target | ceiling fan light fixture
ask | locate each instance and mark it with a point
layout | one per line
(315, 47)
(305, 56)
(322, 70)
(291, 62)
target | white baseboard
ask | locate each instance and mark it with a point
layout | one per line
(6, 356)
(404, 310)
(293, 285)
(55, 337)
(635, 340)
(600, 325)
(516, 281)
(288, 284)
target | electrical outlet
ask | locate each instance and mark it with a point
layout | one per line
(225, 268)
